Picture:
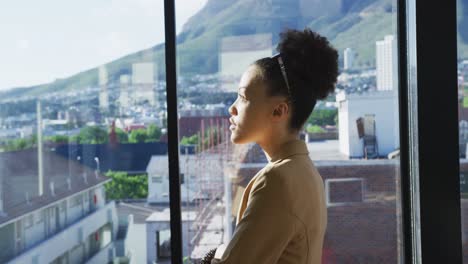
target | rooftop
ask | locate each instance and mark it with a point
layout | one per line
(165, 216)
(19, 181)
(325, 150)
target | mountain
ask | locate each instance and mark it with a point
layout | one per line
(357, 24)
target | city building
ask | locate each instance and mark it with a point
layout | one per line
(387, 63)
(124, 100)
(143, 83)
(348, 58)
(362, 203)
(380, 134)
(158, 235)
(201, 176)
(192, 125)
(130, 158)
(103, 89)
(55, 212)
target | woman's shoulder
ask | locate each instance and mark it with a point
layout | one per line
(291, 165)
(276, 175)
(291, 174)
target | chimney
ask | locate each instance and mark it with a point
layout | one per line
(1, 196)
(28, 199)
(52, 188)
(98, 168)
(85, 177)
(69, 183)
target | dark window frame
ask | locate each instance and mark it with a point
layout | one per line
(434, 96)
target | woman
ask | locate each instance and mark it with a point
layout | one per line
(282, 216)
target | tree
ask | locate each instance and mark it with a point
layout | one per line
(20, 143)
(211, 134)
(58, 139)
(322, 117)
(124, 186)
(122, 136)
(153, 133)
(192, 140)
(315, 129)
(92, 135)
(138, 136)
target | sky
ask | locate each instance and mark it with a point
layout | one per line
(41, 41)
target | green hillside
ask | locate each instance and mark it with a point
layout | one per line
(355, 23)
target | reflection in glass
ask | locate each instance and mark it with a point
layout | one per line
(75, 149)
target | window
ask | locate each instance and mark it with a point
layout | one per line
(163, 246)
(215, 49)
(39, 217)
(75, 201)
(84, 106)
(29, 221)
(93, 117)
(63, 206)
(156, 179)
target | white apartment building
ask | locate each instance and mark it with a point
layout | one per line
(201, 177)
(67, 220)
(348, 58)
(103, 89)
(124, 99)
(143, 83)
(387, 63)
(383, 106)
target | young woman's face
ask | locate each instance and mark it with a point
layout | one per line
(251, 112)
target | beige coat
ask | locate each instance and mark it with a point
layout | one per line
(282, 217)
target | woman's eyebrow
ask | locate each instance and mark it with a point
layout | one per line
(239, 91)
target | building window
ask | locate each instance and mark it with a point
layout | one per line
(75, 201)
(39, 217)
(163, 244)
(156, 179)
(29, 221)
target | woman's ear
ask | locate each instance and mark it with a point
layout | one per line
(281, 111)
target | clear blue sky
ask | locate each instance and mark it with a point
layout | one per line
(48, 39)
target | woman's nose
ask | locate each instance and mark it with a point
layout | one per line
(232, 109)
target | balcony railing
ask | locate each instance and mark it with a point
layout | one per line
(105, 255)
(52, 247)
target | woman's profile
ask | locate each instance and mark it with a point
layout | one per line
(282, 217)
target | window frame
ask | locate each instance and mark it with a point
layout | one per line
(435, 239)
(173, 132)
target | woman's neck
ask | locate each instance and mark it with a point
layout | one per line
(273, 145)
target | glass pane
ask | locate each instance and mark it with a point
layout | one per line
(352, 135)
(83, 132)
(462, 37)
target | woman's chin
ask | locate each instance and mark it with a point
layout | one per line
(234, 139)
(237, 139)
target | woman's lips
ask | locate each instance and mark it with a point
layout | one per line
(233, 125)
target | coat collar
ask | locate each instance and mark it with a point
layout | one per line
(290, 148)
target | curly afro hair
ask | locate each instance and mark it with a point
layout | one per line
(311, 65)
